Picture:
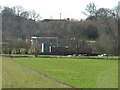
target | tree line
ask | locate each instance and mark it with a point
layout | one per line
(99, 30)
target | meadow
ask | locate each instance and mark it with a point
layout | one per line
(73, 72)
(16, 76)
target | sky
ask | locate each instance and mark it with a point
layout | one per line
(52, 8)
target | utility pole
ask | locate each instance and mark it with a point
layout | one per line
(60, 15)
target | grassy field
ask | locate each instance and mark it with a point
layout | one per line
(80, 73)
(17, 76)
(0, 73)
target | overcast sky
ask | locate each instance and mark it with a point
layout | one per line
(53, 8)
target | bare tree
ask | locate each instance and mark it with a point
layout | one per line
(1, 8)
(18, 10)
(7, 11)
(105, 22)
(25, 14)
(106, 18)
(34, 16)
(116, 12)
(90, 9)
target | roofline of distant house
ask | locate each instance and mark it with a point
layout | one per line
(55, 19)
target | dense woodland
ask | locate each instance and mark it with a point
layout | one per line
(99, 30)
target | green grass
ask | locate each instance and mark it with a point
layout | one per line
(81, 73)
(0, 73)
(16, 76)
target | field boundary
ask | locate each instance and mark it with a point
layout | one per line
(60, 56)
